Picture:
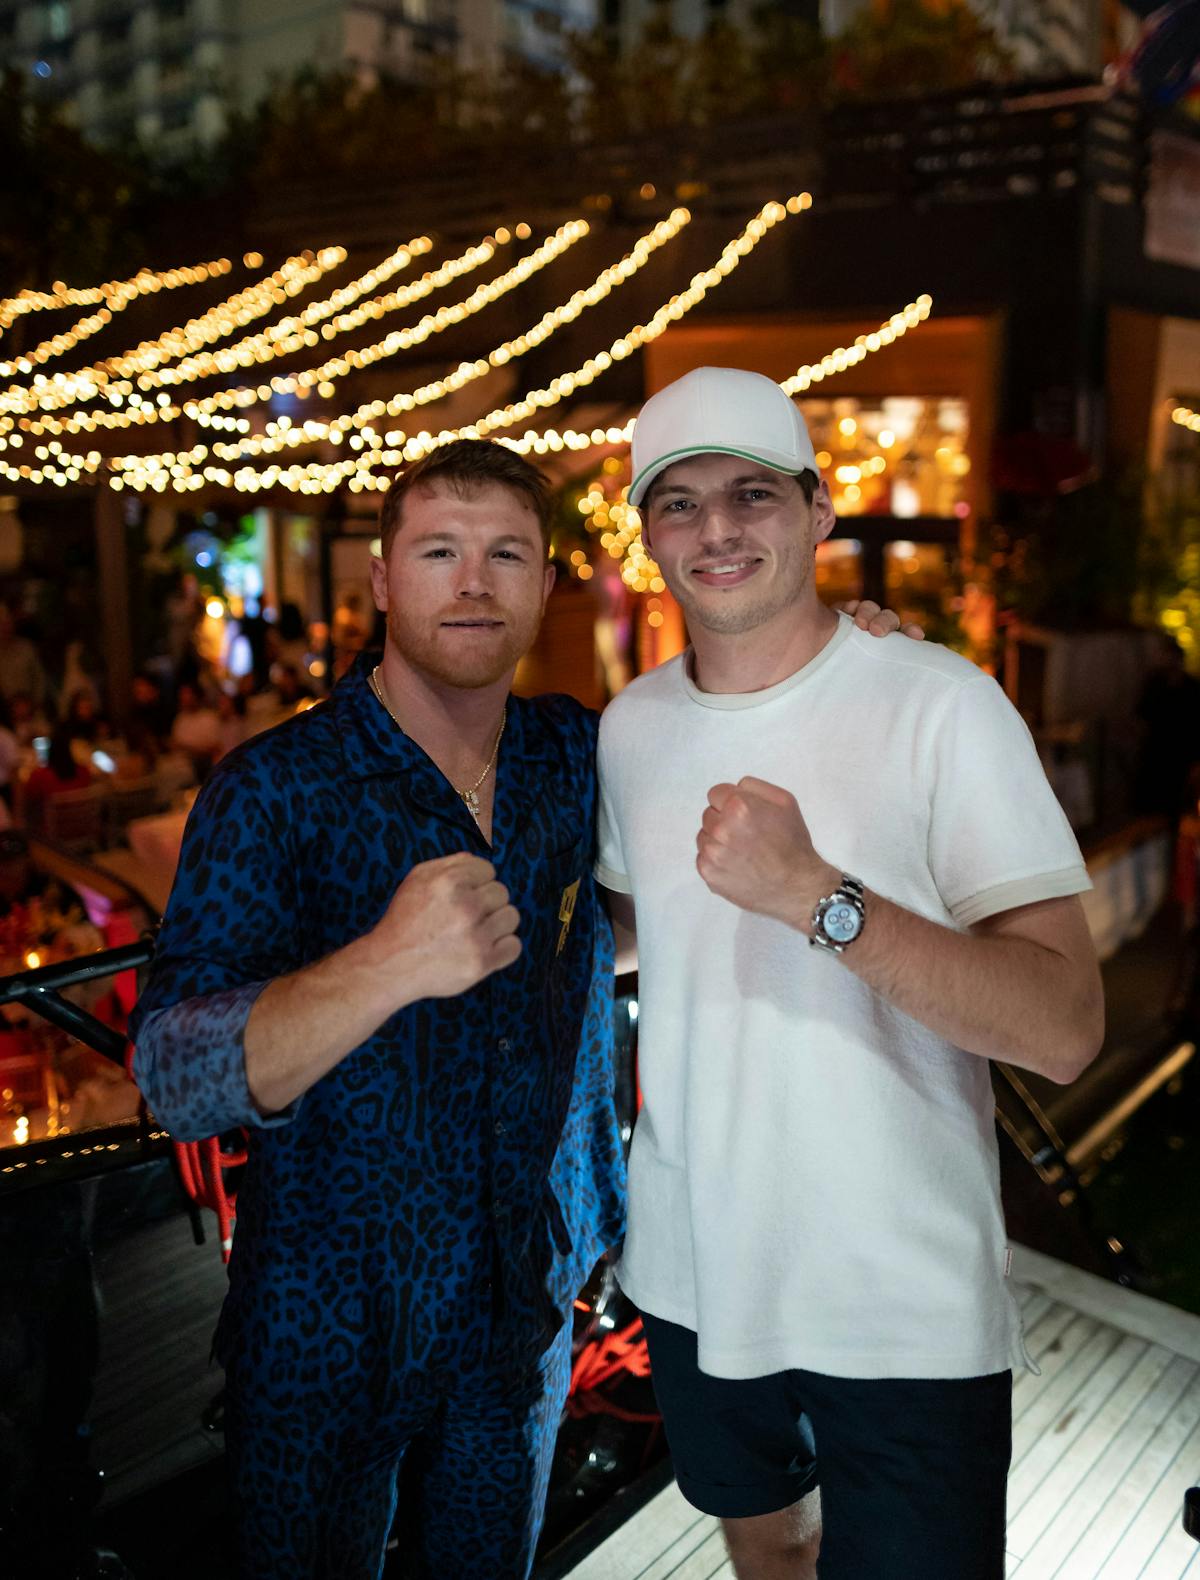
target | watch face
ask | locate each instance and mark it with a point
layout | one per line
(842, 922)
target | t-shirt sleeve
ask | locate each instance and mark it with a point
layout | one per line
(610, 869)
(998, 838)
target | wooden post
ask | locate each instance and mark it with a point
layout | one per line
(112, 563)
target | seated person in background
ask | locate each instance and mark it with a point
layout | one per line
(10, 756)
(197, 729)
(150, 708)
(290, 686)
(29, 722)
(287, 692)
(142, 750)
(287, 642)
(20, 667)
(84, 723)
(231, 710)
(78, 674)
(60, 775)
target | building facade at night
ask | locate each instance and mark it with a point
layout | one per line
(172, 72)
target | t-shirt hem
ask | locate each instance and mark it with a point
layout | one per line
(608, 879)
(779, 1355)
(1026, 890)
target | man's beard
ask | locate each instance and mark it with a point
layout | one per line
(432, 653)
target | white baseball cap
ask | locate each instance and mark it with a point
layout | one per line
(722, 411)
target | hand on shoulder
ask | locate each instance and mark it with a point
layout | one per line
(868, 616)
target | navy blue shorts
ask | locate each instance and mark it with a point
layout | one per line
(913, 1472)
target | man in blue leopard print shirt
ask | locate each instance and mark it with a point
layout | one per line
(385, 957)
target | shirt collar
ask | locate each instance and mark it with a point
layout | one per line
(374, 746)
(372, 743)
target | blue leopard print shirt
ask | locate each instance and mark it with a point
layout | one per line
(436, 1201)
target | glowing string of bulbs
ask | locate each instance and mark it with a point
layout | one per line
(143, 472)
(149, 471)
(282, 434)
(281, 339)
(321, 478)
(68, 389)
(295, 333)
(323, 377)
(62, 469)
(122, 294)
(144, 282)
(324, 477)
(1186, 418)
(553, 441)
(669, 312)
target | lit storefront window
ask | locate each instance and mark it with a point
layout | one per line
(897, 469)
(898, 456)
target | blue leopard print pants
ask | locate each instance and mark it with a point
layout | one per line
(465, 1462)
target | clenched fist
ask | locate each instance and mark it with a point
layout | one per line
(451, 925)
(754, 850)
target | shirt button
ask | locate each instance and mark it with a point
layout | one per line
(503, 1044)
(498, 1209)
(500, 1128)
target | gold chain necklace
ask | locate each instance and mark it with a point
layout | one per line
(469, 796)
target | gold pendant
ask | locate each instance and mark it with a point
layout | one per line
(471, 801)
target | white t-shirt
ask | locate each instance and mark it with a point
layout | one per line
(813, 1180)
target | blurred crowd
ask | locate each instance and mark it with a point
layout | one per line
(218, 681)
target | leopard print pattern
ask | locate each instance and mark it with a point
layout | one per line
(431, 1206)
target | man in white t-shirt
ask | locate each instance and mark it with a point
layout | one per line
(852, 887)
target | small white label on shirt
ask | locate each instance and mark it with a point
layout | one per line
(1007, 1261)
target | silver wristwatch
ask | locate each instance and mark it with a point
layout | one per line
(840, 916)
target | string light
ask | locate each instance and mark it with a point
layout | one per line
(84, 384)
(278, 340)
(482, 297)
(284, 434)
(359, 472)
(844, 357)
(144, 283)
(678, 306)
(118, 299)
(280, 435)
(295, 334)
(565, 385)
(322, 378)
(1186, 418)
(641, 335)
(375, 453)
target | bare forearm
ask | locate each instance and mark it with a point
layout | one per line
(998, 996)
(1022, 985)
(448, 926)
(302, 1025)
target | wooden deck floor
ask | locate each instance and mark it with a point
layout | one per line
(1105, 1442)
(159, 1299)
